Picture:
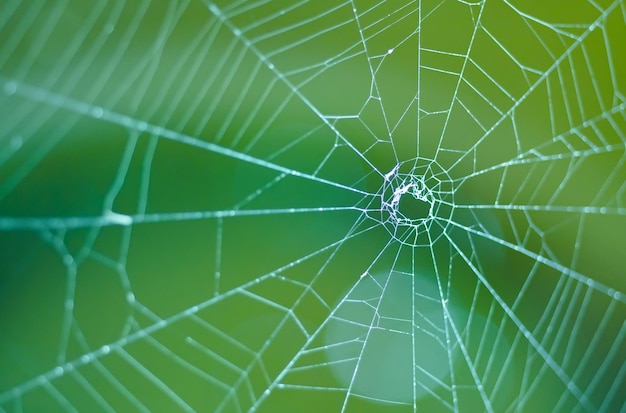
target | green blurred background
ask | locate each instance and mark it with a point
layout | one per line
(136, 135)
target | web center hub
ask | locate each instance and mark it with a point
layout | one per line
(416, 202)
(411, 202)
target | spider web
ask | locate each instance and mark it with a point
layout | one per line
(313, 206)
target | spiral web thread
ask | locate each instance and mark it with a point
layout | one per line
(201, 206)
